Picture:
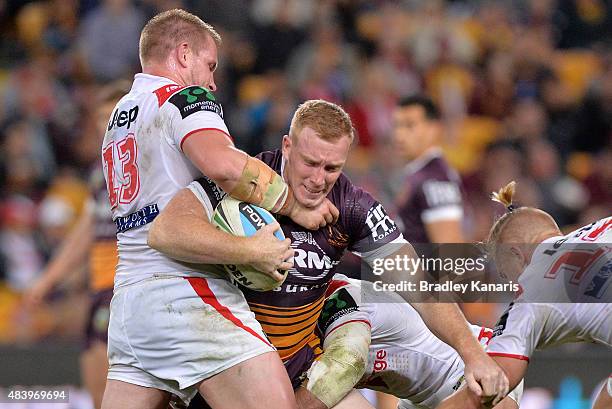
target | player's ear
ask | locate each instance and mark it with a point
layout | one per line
(517, 255)
(286, 146)
(184, 54)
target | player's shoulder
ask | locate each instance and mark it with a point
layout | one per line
(599, 231)
(187, 100)
(346, 193)
(274, 159)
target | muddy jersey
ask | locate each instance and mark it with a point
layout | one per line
(573, 268)
(431, 192)
(405, 358)
(103, 254)
(144, 166)
(565, 269)
(289, 314)
(526, 327)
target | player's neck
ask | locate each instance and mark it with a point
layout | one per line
(533, 240)
(161, 71)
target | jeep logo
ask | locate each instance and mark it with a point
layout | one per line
(123, 118)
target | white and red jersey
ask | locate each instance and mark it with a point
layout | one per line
(525, 327)
(405, 358)
(144, 165)
(573, 268)
(563, 269)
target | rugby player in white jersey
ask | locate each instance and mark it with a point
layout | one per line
(306, 160)
(176, 328)
(402, 356)
(566, 290)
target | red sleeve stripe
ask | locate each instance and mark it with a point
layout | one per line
(203, 129)
(200, 285)
(349, 321)
(335, 285)
(504, 355)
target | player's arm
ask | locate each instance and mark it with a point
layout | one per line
(183, 231)
(443, 211)
(464, 398)
(70, 256)
(444, 231)
(445, 320)
(250, 180)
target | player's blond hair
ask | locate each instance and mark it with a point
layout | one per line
(518, 225)
(168, 29)
(327, 119)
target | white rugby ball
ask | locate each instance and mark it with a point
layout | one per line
(244, 219)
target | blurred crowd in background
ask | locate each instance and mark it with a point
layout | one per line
(525, 88)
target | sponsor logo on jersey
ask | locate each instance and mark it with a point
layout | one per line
(380, 363)
(501, 325)
(195, 99)
(336, 306)
(379, 222)
(139, 218)
(123, 118)
(600, 283)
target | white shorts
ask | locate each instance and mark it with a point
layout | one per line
(170, 333)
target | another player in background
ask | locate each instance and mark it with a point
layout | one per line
(403, 357)
(311, 161)
(91, 241)
(429, 202)
(566, 291)
(166, 132)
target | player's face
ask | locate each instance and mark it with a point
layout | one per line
(312, 165)
(413, 132)
(205, 63)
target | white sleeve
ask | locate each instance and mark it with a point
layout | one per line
(200, 194)
(514, 336)
(193, 109)
(341, 307)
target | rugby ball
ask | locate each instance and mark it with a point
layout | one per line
(244, 219)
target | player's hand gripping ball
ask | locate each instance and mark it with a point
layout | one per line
(244, 219)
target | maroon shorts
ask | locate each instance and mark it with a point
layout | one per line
(97, 320)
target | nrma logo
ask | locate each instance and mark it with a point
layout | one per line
(310, 260)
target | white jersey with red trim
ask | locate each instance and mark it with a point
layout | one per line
(573, 268)
(405, 358)
(525, 327)
(144, 165)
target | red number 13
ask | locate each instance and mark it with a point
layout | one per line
(127, 152)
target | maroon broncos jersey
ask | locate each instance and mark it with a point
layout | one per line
(431, 192)
(289, 313)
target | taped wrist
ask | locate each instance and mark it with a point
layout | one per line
(342, 364)
(262, 186)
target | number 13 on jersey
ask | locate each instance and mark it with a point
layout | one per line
(124, 187)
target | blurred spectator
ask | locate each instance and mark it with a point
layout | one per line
(594, 122)
(27, 157)
(109, 38)
(22, 259)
